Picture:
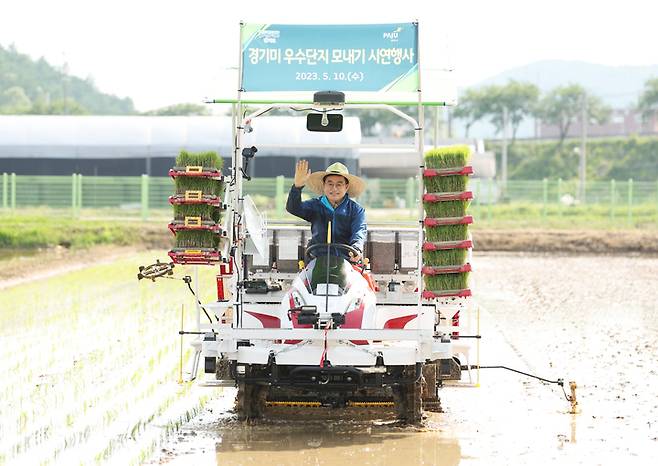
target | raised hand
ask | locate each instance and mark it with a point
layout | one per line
(302, 172)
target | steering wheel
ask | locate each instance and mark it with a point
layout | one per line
(311, 251)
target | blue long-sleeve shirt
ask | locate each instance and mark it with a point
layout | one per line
(348, 219)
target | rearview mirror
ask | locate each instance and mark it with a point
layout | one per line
(333, 122)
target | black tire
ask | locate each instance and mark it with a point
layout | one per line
(250, 401)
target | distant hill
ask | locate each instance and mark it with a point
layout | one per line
(35, 86)
(618, 86)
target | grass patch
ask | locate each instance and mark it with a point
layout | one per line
(448, 281)
(446, 233)
(555, 216)
(30, 232)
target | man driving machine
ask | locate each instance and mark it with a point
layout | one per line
(336, 188)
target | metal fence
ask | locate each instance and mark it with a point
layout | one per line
(145, 197)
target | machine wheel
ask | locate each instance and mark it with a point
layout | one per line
(223, 369)
(431, 400)
(450, 369)
(409, 401)
(250, 401)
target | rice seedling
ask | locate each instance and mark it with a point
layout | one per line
(446, 184)
(207, 186)
(196, 239)
(447, 233)
(446, 208)
(445, 257)
(447, 157)
(199, 159)
(88, 399)
(448, 281)
(442, 158)
(205, 211)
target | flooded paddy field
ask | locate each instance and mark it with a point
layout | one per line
(89, 364)
(590, 319)
(89, 371)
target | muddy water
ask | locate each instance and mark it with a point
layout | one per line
(313, 437)
(591, 319)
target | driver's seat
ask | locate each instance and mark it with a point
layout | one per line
(337, 267)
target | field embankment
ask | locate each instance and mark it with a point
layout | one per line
(567, 241)
(30, 244)
(33, 232)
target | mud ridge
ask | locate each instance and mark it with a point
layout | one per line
(567, 241)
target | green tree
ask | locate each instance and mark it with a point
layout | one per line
(371, 118)
(562, 107)
(648, 103)
(471, 108)
(184, 109)
(57, 107)
(519, 98)
(37, 78)
(14, 101)
(608, 158)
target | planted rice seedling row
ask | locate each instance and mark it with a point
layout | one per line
(87, 403)
(69, 417)
(107, 414)
(57, 353)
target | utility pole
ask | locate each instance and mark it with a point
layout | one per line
(436, 126)
(582, 165)
(449, 123)
(504, 154)
(65, 78)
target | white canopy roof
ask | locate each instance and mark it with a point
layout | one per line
(45, 136)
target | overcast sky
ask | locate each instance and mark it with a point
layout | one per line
(163, 52)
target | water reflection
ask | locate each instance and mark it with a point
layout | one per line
(309, 436)
(334, 442)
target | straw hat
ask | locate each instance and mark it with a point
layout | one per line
(316, 180)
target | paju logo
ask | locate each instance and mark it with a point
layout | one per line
(269, 37)
(394, 35)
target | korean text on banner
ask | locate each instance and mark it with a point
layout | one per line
(373, 57)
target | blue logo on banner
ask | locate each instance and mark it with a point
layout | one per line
(373, 57)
